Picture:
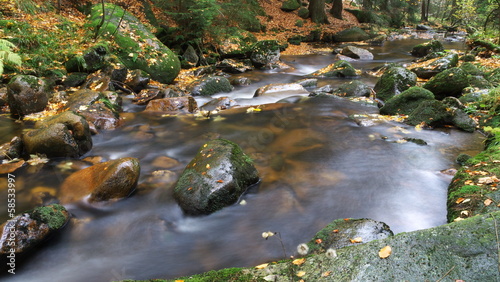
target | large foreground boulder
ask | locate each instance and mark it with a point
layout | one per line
(216, 177)
(26, 94)
(106, 181)
(29, 229)
(466, 250)
(63, 135)
(136, 46)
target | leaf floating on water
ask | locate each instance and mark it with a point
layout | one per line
(356, 240)
(385, 252)
(262, 266)
(487, 202)
(299, 261)
(301, 273)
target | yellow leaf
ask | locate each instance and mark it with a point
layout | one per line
(262, 266)
(326, 273)
(459, 200)
(385, 252)
(301, 273)
(488, 202)
(299, 261)
(356, 240)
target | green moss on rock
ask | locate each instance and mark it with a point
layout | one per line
(55, 216)
(394, 81)
(407, 101)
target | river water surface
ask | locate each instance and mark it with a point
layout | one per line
(316, 162)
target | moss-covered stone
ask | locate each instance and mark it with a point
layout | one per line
(471, 69)
(353, 88)
(290, 5)
(340, 68)
(407, 101)
(423, 49)
(216, 177)
(92, 60)
(450, 82)
(437, 66)
(350, 35)
(55, 216)
(303, 13)
(265, 53)
(494, 77)
(141, 50)
(431, 112)
(27, 94)
(210, 85)
(394, 81)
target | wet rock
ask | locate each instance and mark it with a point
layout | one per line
(407, 101)
(237, 45)
(135, 46)
(99, 108)
(308, 82)
(290, 5)
(27, 94)
(423, 27)
(463, 121)
(394, 81)
(165, 162)
(431, 112)
(377, 41)
(75, 79)
(351, 35)
(176, 105)
(111, 180)
(221, 103)
(439, 65)
(423, 49)
(147, 95)
(479, 82)
(338, 69)
(280, 88)
(265, 54)
(92, 60)
(12, 149)
(234, 66)
(11, 166)
(347, 232)
(25, 231)
(357, 53)
(240, 81)
(64, 135)
(137, 80)
(190, 56)
(354, 88)
(211, 85)
(303, 13)
(471, 69)
(216, 177)
(3, 96)
(98, 82)
(450, 82)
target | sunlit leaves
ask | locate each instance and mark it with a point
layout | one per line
(385, 252)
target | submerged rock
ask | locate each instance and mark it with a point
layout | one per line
(216, 177)
(340, 68)
(111, 180)
(64, 135)
(26, 94)
(394, 81)
(25, 231)
(347, 232)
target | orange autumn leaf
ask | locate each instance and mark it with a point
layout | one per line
(318, 241)
(301, 273)
(487, 202)
(459, 200)
(356, 240)
(220, 181)
(385, 252)
(326, 274)
(299, 261)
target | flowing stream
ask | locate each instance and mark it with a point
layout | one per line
(316, 163)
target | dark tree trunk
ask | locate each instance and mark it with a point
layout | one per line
(336, 10)
(423, 14)
(317, 11)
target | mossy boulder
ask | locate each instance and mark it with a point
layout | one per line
(27, 230)
(290, 5)
(407, 101)
(353, 88)
(134, 44)
(27, 94)
(431, 112)
(350, 35)
(346, 232)
(237, 44)
(426, 48)
(471, 69)
(437, 66)
(63, 135)
(394, 81)
(341, 68)
(303, 13)
(173, 105)
(106, 181)
(450, 82)
(210, 85)
(494, 77)
(92, 60)
(216, 177)
(265, 53)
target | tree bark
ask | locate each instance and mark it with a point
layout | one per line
(336, 10)
(423, 13)
(317, 11)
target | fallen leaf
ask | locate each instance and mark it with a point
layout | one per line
(301, 273)
(335, 231)
(208, 166)
(356, 240)
(318, 241)
(488, 202)
(385, 252)
(11, 167)
(262, 266)
(299, 261)
(326, 273)
(466, 200)
(220, 181)
(459, 200)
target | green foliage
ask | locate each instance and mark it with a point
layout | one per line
(7, 56)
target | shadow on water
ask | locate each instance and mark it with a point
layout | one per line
(316, 164)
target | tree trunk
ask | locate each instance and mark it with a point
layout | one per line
(423, 13)
(317, 11)
(336, 10)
